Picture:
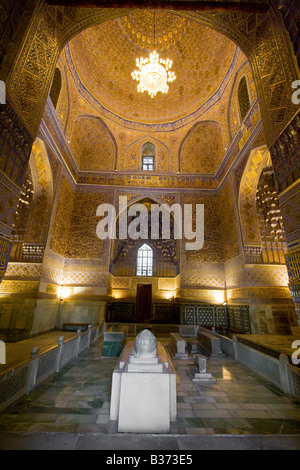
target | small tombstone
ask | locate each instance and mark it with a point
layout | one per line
(199, 371)
(180, 346)
(200, 362)
(192, 348)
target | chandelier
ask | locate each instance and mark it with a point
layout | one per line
(153, 75)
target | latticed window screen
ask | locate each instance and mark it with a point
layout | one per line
(148, 163)
(270, 218)
(145, 261)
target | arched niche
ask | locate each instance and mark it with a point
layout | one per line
(92, 144)
(257, 160)
(34, 209)
(134, 154)
(43, 193)
(234, 117)
(166, 252)
(202, 150)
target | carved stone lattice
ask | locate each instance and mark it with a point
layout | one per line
(270, 218)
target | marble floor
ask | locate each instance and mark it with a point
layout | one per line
(77, 400)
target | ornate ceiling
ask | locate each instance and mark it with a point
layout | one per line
(105, 120)
(104, 56)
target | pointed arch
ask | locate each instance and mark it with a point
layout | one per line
(246, 33)
(34, 209)
(92, 144)
(258, 158)
(202, 149)
(148, 156)
(133, 159)
(166, 252)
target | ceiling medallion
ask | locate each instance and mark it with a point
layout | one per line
(153, 75)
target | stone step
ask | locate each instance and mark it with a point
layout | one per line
(141, 442)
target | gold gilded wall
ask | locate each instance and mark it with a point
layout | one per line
(63, 217)
(212, 251)
(220, 227)
(75, 222)
(83, 241)
(92, 145)
(42, 198)
(228, 223)
(203, 149)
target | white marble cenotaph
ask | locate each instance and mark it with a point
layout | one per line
(143, 397)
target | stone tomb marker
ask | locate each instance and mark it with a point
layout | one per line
(180, 346)
(199, 370)
(114, 339)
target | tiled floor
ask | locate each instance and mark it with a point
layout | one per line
(77, 400)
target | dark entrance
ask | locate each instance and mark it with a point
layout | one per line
(143, 303)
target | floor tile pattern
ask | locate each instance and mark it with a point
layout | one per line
(77, 400)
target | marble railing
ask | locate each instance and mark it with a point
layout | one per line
(279, 371)
(22, 380)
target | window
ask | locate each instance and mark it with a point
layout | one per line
(145, 261)
(56, 87)
(243, 97)
(148, 163)
(148, 156)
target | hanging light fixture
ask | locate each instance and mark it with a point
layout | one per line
(154, 73)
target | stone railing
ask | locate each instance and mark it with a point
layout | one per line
(23, 379)
(279, 371)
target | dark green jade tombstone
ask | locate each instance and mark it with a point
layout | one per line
(114, 339)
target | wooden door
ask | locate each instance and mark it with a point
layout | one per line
(143, 303)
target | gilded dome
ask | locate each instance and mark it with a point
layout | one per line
(104, 56)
